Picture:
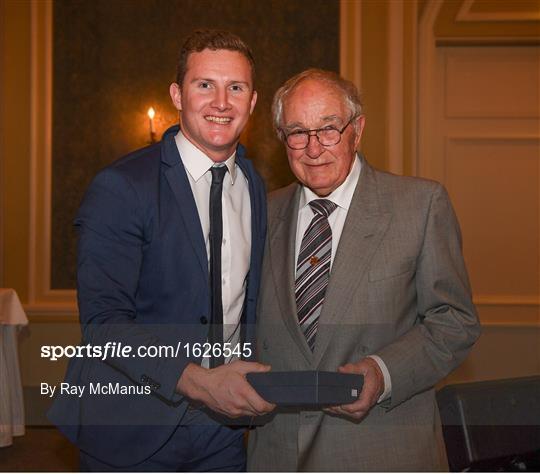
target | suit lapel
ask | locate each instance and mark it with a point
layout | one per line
(364, 229)
(253, 276)
(255, 206)
(282, 236)
(176, 176)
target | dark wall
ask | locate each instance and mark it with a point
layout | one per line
(114, 59)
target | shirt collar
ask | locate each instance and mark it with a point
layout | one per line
(342, 195)
(196, 162)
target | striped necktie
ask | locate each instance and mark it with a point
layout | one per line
(313, 269)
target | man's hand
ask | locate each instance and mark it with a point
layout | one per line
(225, 389)
(371, 391)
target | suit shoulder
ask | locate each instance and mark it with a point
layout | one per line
(406, 189)
(139, 163)
(132, 179)
(136, 169)
(394, 181)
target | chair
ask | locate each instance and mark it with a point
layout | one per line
(493, 425)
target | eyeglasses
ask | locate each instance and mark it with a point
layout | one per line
(327, 136)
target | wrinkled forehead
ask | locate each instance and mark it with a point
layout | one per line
(314, 100)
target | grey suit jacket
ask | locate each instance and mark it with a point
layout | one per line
(398, 289)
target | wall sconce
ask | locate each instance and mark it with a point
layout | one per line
(151, 114)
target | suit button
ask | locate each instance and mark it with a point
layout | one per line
(265, 345)
(204, 320)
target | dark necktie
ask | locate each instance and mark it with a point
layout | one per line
(216, 236)
(313, 269)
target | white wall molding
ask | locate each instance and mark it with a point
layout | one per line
(40, 294)
(426, 70)
(52, 312)
(3, 91)
(350, 41)
(466, 14)
(506, 300)
(395, 84)
(511, 325)
(477, 138)
(487, 41)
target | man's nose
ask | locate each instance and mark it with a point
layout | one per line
(221, 99)
(314, 149)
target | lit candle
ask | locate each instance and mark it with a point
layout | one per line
(151, 114)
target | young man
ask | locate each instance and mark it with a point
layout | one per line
(170, 250)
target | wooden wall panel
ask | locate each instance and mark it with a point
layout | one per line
(494, 186)
(486, 150)
(478, 132)
(498, 83)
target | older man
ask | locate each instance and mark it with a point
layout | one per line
(363, 273)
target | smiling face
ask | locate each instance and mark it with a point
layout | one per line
(216, 99)
(313, 105)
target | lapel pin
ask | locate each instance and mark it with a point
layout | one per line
(314, 260)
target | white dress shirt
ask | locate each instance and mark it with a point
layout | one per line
(342, 197)
(236, 205)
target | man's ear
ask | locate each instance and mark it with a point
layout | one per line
(359, 123)
(253, 102)
(176, 96)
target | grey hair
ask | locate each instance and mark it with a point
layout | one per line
(348, 90)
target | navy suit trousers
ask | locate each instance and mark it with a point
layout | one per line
(199, 444)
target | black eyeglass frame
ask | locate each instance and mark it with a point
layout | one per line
(315, 132)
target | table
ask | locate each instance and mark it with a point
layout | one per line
(12, 317)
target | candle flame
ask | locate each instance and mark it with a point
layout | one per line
(151, 113)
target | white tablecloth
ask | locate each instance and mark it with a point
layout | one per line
(12, 316)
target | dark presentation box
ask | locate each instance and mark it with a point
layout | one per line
(307, 388)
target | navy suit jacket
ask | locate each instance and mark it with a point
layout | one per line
(143, 281)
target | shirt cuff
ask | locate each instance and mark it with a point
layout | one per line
(386, 374)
